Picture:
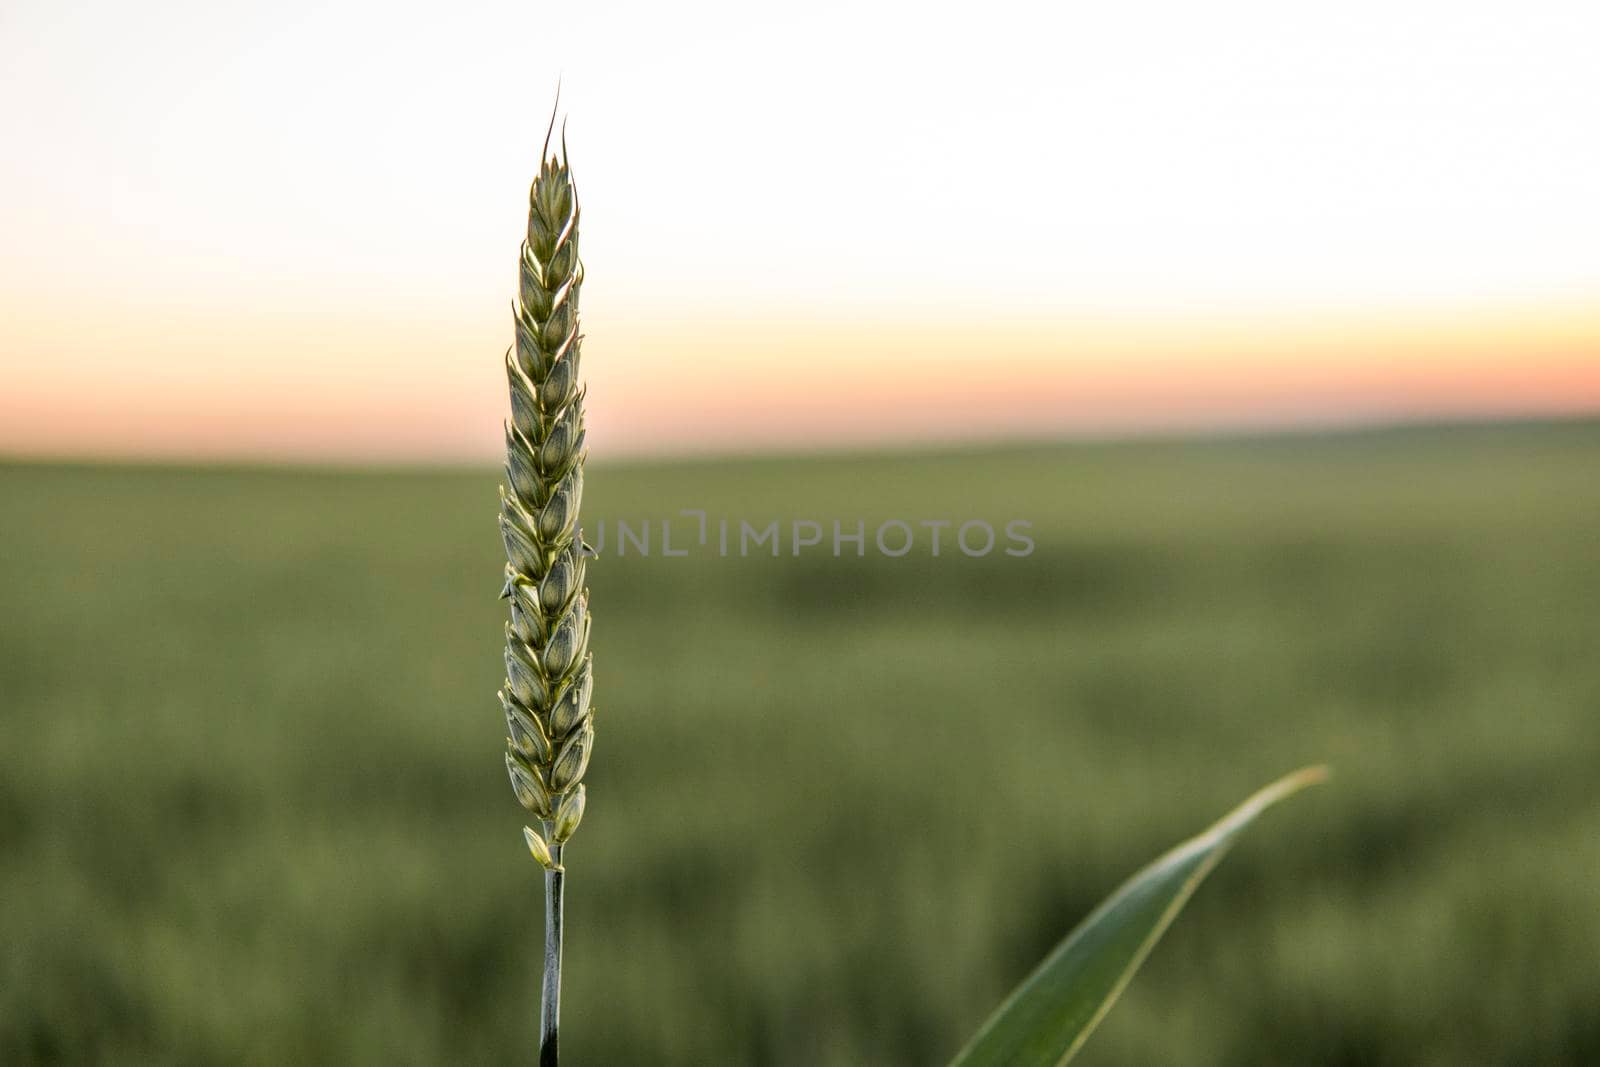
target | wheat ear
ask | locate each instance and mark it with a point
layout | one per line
(549, 675)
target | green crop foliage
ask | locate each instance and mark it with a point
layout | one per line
(251, 812)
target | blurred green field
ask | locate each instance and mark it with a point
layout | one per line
(252, 806)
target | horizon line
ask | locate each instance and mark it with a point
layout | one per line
(1241, 431)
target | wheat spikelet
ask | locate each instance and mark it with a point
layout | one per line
(549, 679)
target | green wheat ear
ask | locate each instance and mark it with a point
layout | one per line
(549, 675)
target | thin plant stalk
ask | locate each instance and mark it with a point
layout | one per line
(549, 674)
(550, 996)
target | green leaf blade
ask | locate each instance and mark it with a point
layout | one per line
(1049, 1016)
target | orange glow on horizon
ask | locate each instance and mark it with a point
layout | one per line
(435, 393)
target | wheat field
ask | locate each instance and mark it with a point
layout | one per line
(251, 809)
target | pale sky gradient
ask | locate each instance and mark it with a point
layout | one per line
(289, 228)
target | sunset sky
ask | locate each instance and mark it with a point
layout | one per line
(289, 229)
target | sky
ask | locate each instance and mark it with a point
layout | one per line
(289, 230)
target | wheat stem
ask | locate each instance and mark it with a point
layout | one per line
(550, 996)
